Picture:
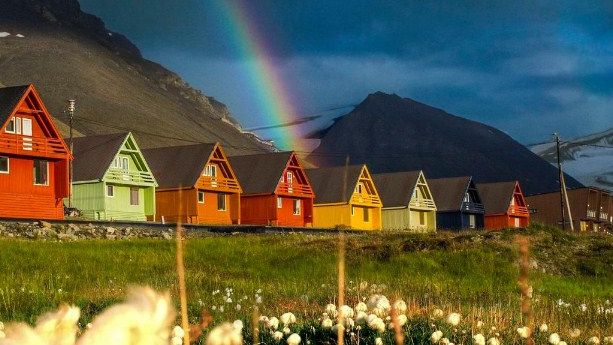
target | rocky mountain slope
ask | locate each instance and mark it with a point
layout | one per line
(390, 133)
(589, 158)
(70, 54)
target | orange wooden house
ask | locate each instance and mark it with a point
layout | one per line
(196, 185)
(34, 160)
(276, 190)
(505, 205)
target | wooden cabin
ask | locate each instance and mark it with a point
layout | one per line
(345, 197)
(458, 203)
(111, 179)
(505, 205)
(276, 190)
(197, 185)
(34, 159)
(407, 201)
(584, 206)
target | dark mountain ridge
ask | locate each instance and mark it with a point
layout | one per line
(390, 133)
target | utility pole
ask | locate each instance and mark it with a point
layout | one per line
(560, 178)
(71, 109)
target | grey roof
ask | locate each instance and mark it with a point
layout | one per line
(9, 97)
(396, 189)
(327, 183)
(178, 166)
(260, 173)
(496, 197)
(94, 154)
(448, 193)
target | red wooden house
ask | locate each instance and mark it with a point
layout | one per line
(505, 205)
(34, 160)
(276, 190)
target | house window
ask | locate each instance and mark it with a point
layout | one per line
(358, 188)
(10, 127)
(422, 218)
(290, 177)
(297, 207)
(17, 125)
(467, 197)
(279, 202)
(221, 202)
(201, 197)
(110, 191)
(366, 214)
(516, 222)
(4, 165)
(134, 196)
(121, 163)
(472, 221)
(41, 172)
(210, 170)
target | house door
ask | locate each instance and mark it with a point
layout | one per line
(27, 133)
(516, 222)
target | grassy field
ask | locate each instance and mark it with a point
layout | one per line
(472, 273)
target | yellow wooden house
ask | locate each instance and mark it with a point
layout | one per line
(408, 204)
(345, 197)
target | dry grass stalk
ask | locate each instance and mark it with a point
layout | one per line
(181, 276)
(524, 284)
(255, 317)
(341, 286)
(398, 335)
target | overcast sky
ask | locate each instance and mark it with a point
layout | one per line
(528, 68)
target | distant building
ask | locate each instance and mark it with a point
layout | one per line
(407, 201)
(111, 179)
(458, 203)
(197, 184)
(34, 159)
(276, 190)
(345, 197)
(505, 205)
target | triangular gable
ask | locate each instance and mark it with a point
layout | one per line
(30, 103)
(365, 179)
(293, 164)
(472, 187)
(517, 191)
(129, 144)
(421, 181)
(219, 157)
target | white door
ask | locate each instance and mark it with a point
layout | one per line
(27, 133)
(516, 222)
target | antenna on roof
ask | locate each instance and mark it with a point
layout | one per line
(71, 108)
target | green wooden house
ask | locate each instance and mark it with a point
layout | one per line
(111, 179)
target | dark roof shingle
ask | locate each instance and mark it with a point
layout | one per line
(178, 166)
(94, 154)
(448, 193)
(327, 183)
(260, 173)
(396, 189)
(496, 197)
(9, 97)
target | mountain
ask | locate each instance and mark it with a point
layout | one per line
(589, 158)
(67, 53)
(390, 133)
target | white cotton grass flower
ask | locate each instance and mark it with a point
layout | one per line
(22, 334)
(454, 319)
(144, 319)
(478, 339)
(437, 313)
(346, 311)
(177, 331)
(543, 328)
(277, 336)
(288, 318)
(562, 342)
(286, 330)
(378, 341)
(575, 333)
(607, 340)
(331, 310)
(593, 341)
(176, 341)
(524, 332)
(273, 323)
(361, 306)
(294, 339)
(375, 323)
(327, 323)
(554, 339)
(402, 320)
(379, 305)
(493, 341)
(56, 328)
(436, 337)
(479, 324)
(224, 334)
(400, 306)
(238, 325)
(360, 318)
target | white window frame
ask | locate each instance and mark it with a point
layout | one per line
(47, 174)
(8, 165)
(279, 202)
(290, 178)
(210, 170)
(472, 221)
(225, 202)
(17, 125)
(297, 210)
(112, 189)
(11, 121)
(29, 127)
(201, 192)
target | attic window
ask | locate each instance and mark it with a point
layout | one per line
(210, 170)
(467, 197)
(121, 163)
(10, 127)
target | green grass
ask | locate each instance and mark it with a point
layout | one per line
(473, 272)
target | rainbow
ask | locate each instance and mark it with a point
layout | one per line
(274, 100)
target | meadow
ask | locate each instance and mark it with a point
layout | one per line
(474, 274)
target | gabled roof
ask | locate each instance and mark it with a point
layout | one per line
(94, 154)
(9, 99)
(496, 197)
(327, 183)
(178, 166)
(396, 189)
(449, 192)
(260, 173)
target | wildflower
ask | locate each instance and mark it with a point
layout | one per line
(360, 317)
(524, 332)
(346, 311)
(286, 330)
(479, 324)
(400, 306)
(288, 318)
(176, 341)
(293, 339)
(446, 341)
(378, 341)
(145, 318)
(273, 323)
(258, 299)
(562, 343)
(402, 320)
(575, 333)
(554, 339)
(177, 331)
(238, 325)
(363, 286)
(593, 341)
(59, 327)
(277, 336)
(493, 341)
(479, 339)
(436, 336)
(376, 323)
(2, 335)
(326, 323)
(437, 313)
(453, 319)
(543, 328)
(225, 334)
(229, 300)
(379, 305)
(238, 307)
(331, 310)
(361, 306)
(608, 340)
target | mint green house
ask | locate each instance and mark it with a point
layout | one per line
(111, 179)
